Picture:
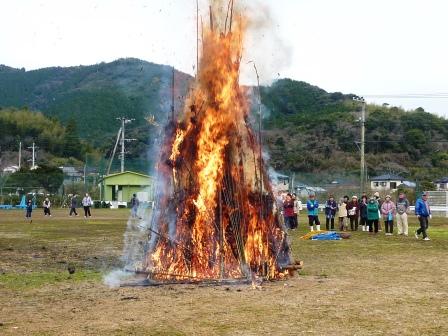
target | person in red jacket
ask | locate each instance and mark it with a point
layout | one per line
(353, 213)
(288, 212)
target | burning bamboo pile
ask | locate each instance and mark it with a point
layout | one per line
(214, 217)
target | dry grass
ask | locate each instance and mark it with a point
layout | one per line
(361, 286)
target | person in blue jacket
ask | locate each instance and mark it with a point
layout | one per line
(29, 209)
(331, 207)
(312, 206)
(423, 212)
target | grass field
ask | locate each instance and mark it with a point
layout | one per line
(361, 286)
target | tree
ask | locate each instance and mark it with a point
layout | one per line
(50, 178)
(72, 144)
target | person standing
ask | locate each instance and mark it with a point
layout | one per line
(288, 212)
(373, 215)
(73, 205)
(353, 213)
(87, 203)
(330, 212)
(134, 206)
(297, 208)
(47, 204)
(279, 205)
(423, 212)
(363, 213)
(388, 211)
(342, 214)
(29, 210)
(380, 202)
(402, 206)
(312, 206)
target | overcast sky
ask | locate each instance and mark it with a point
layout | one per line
(368, 47)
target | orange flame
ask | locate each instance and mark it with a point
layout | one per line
(223, 226)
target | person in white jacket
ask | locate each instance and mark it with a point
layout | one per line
(47, 205)
(297, 208)
(87, 203)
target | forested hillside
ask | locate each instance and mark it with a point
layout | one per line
(94, 96)
(310, 130)
(306, 129)
(57, 144)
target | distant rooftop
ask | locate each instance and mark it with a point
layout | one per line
(387, 177)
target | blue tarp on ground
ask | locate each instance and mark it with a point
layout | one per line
(327, 236)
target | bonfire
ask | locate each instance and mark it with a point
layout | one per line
(215, 217)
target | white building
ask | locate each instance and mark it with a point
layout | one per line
(387, 182)
(442, 184)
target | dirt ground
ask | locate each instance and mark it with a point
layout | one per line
(361, 286)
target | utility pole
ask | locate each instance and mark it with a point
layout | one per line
(20, 154)
(124, 121)
(363, 143)
(33, 166)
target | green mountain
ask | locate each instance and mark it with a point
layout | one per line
(312, 131)
(306, 129)
(94, 96)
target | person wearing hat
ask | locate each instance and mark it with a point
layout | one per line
(372, 215)
(312, 206)
(423, 212)
(353, 213)
(388, 210)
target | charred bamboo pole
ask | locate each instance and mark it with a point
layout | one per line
(211, 18)
(221, 238)
(197, 38)
(227, 16)
(170, 240)
(235, 220)
(231, 16)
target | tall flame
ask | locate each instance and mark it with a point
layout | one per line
(215, 217)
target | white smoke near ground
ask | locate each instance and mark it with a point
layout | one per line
(137, 237)
(114, 278)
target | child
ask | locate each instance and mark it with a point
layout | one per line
(29, 210)
(342, 214)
